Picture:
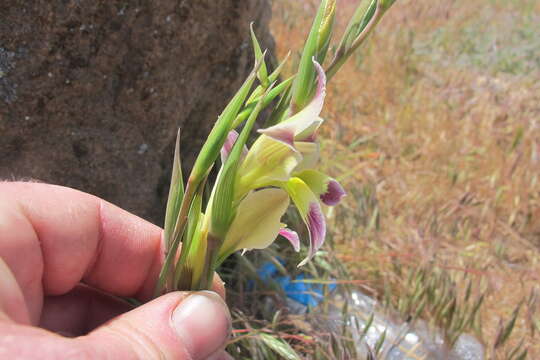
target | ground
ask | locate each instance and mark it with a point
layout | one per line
(434, 131)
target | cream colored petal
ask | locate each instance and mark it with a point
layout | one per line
(258, 220)
(267, 161)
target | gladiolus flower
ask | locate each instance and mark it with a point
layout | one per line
(280, 163)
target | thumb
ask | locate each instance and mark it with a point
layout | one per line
(179, 325)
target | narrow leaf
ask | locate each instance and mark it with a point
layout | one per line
(212, 147)
(279, 346)
(176, 194)
(267, 99)
(262, 74)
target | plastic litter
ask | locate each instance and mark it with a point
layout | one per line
(402, 340)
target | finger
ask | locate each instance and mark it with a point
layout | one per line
(84, 309)
(29, 342)
(218, 286)
(11, 298)
(81, 310)
(66, 235)
(174, 326)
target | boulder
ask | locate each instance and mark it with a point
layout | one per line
(93, 92)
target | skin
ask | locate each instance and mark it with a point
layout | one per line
(66, 258)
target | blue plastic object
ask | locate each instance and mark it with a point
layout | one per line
(305, 293)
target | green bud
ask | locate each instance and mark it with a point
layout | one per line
(364, 20)
(357, 23)
(305, 80)
(325, 30)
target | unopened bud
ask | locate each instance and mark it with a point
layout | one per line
(325, 29)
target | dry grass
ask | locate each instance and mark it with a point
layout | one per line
(434, 129)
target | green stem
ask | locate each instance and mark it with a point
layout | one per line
(166, 275)
(212, 248)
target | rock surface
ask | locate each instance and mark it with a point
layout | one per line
(92, 92)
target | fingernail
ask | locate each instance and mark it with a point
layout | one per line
(203, 323)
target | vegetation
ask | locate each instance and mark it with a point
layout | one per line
(436, 138)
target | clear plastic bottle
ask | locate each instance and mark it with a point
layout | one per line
(402, 340)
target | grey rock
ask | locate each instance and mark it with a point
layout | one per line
(92, 92)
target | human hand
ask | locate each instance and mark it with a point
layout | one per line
(65, 256)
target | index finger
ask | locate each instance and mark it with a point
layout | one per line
(53, 237)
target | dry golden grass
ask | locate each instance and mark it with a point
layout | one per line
(434, 130)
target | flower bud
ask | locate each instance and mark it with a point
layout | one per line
(318, 38)
(325, 30)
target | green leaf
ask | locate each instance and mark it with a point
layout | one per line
(275, 74)
(281, 111)
(218, 134)
(176, 194)
(380, 342)
(193, 225)
(517, 138)
(222, 204)
(279, 346)
(267, 99)
(255, 95)
(262, 74)
(367, 326)
(505, 331)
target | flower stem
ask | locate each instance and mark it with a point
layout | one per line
(167, 271)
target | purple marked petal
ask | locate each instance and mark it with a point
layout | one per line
(309, 134)
(292, 236)
(321, 83)
(308, 119)
(228, 145)
(317, 230)
(283, 133)
(305, 123)
(315, 106)
(333, 194)
(317, 225)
